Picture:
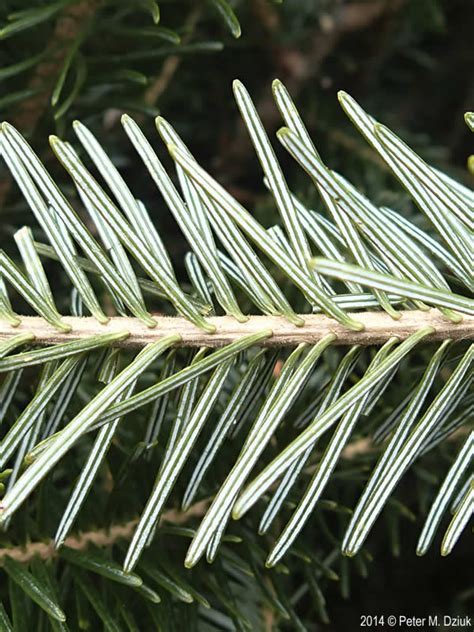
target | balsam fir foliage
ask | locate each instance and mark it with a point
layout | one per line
(222, 429)
(290, 399)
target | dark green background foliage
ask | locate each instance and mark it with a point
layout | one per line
(409, 64)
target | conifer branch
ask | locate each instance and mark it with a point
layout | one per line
(98, 537)
(378, 328)
(358, 276)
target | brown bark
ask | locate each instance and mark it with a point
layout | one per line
(379, 327)
(99, 537)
